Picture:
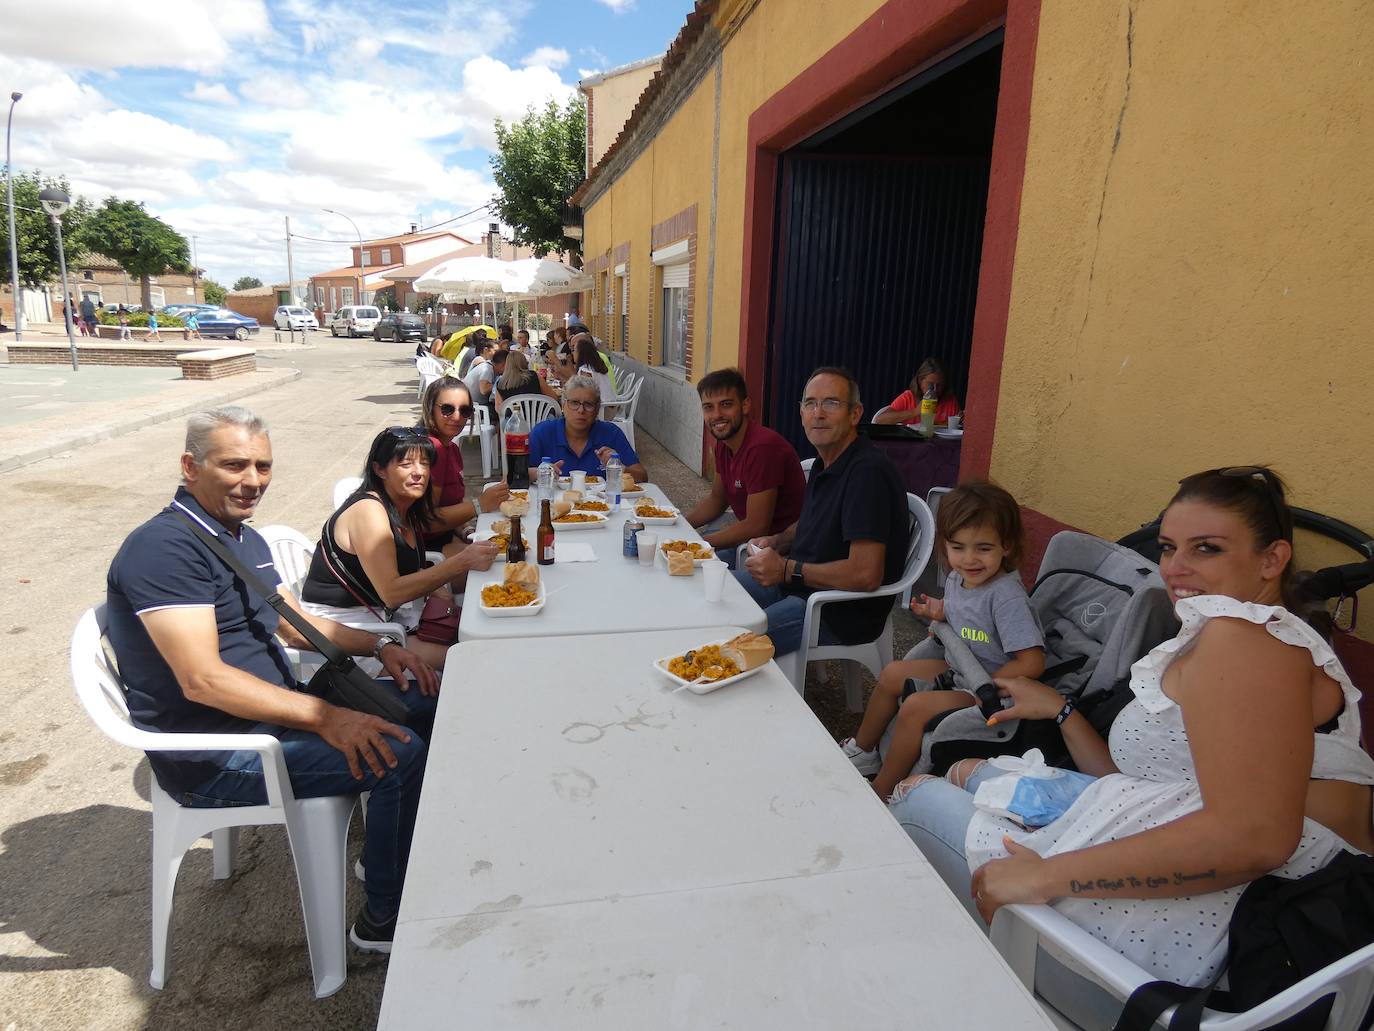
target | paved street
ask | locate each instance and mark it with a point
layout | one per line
(74, 823)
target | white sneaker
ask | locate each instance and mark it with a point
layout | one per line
(867, 763)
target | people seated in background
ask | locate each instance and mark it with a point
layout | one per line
(852, 532)
(578, 329)
(198, 652)
(580, 440)
(446, 409)
(462, 360)
(370, 559)
(978, 535)
(589, 362)
(1239, 755)
(486, 368)
(505, 337)
(518, 378)
(906, 406)
(522, 344)
(758, 474)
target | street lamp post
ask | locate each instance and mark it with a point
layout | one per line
(55, 202)
(15, 97)
(362, 265)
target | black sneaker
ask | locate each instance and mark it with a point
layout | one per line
(371, 936)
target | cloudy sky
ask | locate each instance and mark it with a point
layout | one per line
(224, 116)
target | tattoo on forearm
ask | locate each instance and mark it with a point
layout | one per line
(1128, 882)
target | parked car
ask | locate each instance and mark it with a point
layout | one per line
(182, 310)
(293, 316)
(354, 320)
(221, 322)
(399, 326)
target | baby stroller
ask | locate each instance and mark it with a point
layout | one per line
(1102, 606)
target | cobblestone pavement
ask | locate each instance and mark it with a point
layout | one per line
(74, 822)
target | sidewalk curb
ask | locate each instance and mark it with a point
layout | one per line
(172, 411)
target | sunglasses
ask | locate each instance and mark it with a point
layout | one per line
(407, 433)
(448, 411)
(1283, 519)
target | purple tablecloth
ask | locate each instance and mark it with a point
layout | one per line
(923, 464)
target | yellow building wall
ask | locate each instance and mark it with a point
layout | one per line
(1198, 293)
(612, 102)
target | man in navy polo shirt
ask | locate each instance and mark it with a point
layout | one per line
(851, 535)
(580, 440)
(758, 475)
(199, 653)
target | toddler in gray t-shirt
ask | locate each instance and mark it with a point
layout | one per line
(978, 535)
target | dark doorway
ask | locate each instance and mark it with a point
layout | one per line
(880, 230)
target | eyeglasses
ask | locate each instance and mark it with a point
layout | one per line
(448, 411)
(407, 433)
(581, 406)
(1283, 518)
(830, 405)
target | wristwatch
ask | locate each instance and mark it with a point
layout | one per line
(798, 580)
(383, 640)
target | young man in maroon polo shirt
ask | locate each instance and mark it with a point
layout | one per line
(758, 475)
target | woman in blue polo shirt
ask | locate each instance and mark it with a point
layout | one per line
(580, 440)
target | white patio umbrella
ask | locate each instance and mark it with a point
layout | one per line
(462, 279)
(544, 277)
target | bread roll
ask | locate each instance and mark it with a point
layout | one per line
(560, 508)
(500, 526)
(514, 507)
(626, 481)
(571, 496)
(680, 563)
(748, 651)
(522, 573)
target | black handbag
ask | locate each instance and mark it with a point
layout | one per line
(339, 681)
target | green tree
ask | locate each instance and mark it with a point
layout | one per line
(142, 245)
(34, 239)
(214, 292)
(386, 298)
(539, 161)
(247, 283)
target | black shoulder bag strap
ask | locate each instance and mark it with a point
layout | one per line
(339, 681)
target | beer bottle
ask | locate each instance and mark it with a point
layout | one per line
(515, 547)
(544, 538)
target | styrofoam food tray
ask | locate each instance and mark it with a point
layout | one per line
(662, 666)
(523, 610)
(560, 527)
(659, 520)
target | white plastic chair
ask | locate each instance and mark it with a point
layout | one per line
(1021, 932)
(316, 828)
(622, 412)
(874, 654)
(806, 464)
(480, 428)
(343, 489)
(930, 579)
(881, 411)
(625, 383)
(429, 368)
(291, 554)
(534, 409)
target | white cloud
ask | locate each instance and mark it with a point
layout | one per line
(192, 34)
(211, 93)
(619, 6)
(550, 57)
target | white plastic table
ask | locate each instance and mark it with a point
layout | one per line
(612, 595)
(594, 851)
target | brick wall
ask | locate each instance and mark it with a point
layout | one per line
(255, 306)
(682, 226)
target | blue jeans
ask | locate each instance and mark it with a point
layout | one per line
(785, 612)
(317, 769)
(935, 815)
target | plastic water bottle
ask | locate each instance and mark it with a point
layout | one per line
(614, 469)
(928, 406)
(546, 478)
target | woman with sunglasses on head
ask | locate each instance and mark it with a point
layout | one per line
(370, 561)
(1239, 755)
(447, 409)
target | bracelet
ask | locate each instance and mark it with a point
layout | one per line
(1064, 713)
(382, 641)
(798, 580)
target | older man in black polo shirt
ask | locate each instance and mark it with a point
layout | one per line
(851, 535)
(198, 650)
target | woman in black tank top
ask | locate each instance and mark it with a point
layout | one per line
(371, 551)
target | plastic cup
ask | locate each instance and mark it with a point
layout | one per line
(579, 479)
(955, 421)
(713, 580)
(646, 542)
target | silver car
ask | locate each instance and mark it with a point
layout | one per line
(290, 316)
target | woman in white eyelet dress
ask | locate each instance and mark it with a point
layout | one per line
(1148, 777)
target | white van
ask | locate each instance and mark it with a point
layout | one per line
(354, 320)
